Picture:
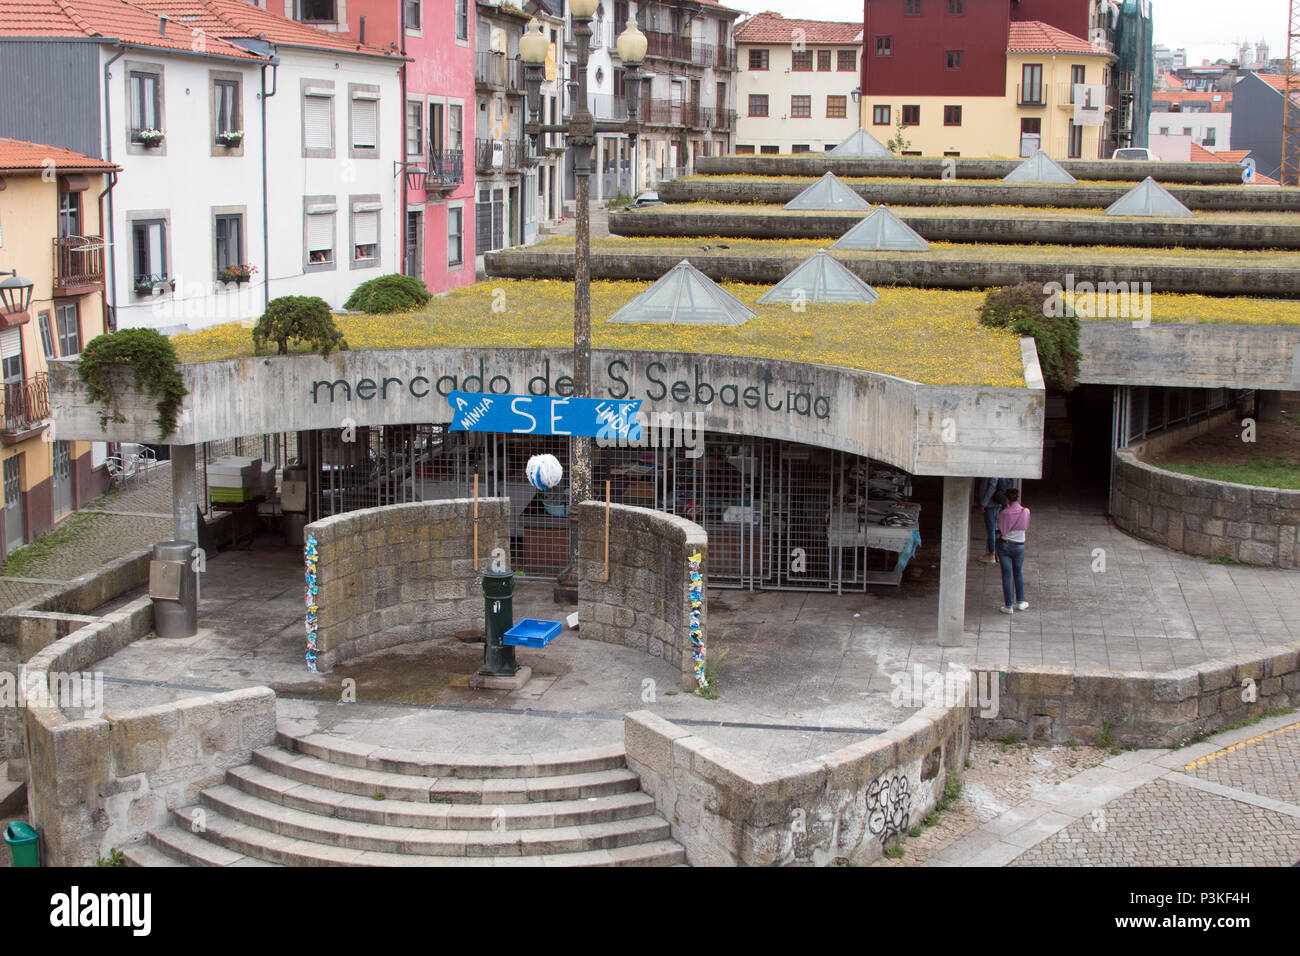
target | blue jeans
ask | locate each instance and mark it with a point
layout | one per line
(1011, 555)
(991, 525)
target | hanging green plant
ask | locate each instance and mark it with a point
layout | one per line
(152, 358)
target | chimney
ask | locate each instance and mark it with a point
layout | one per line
(362, 37)
(162, 24)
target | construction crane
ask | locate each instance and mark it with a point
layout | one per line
(1291, 101)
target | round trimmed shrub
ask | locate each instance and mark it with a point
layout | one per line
(390, 293)
(299, 318)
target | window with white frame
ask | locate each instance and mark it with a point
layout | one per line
(411, 14)
(318, 121)
(414, 128)
(455, 236)
(318, 232)
(149, 249)
(68, 319)
(365, 231)
(364, 119)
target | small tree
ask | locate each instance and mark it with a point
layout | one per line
(1023, 309)
(301, 318)
(899, 142)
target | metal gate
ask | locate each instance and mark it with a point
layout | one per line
(62, 478)
(14, 530)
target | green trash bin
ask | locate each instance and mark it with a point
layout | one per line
(24, 846)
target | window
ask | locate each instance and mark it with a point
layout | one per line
(769, 150)
(801, 61)
(1164, 131)
(884, 46)
(1076, 142)
(69, 323)
(744, 150)
(11, 349)
(411, 14)
(414, 128)
(489, 220)
(880, 115)
(225, 105)
(1077, 74)
(365, 230)
(912, 8)
(1209, 137)
(800, 148)
(318, 121)
(316, 11)
(462, 19)
(455, 236)
(952, 116)
(953, 60)
(47, 336)
(69, 213)
(956, 8)
(757, 104)
(228, 236)
(1031, 136)
(146, 107)
(363, 119)
(847, 61)
(318, 232)
(758, 59)
(455, 126)
(836, 107)
(1031, 84)
(414, 262)
(801, 107)
(1187, 131)
(149, 244)
(911, 115)
(824, 60)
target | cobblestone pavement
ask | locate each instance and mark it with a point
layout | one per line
(108, 527)
(1229, 801)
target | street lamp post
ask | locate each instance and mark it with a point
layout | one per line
(580, 132)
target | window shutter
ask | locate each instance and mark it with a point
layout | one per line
(364, 116)
(316, 112)
(11, 343)
(365, 228)
(320, 232)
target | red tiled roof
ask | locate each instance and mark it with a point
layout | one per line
(1180, 97)
(1174, 82)
(1201, 155)
(1035, 36)
(236, 18)
(773, 28)
(106, 19)
(1275, 80)
(18, 155)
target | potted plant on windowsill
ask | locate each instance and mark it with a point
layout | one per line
(230, 138)
(240, 273)
(148, 285)
(149, 138)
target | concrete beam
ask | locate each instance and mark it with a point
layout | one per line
(1193, 355)
(954, 555)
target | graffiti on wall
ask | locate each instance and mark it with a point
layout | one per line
(889, 804)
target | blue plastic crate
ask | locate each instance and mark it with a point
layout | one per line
(531, 632)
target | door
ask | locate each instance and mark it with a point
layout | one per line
(14, 530)
(414, 234)
(62, 478)
(436, 142)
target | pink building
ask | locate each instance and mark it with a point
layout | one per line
(437, 122)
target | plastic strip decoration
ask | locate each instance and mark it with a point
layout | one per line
(695, 564)
(311, 553)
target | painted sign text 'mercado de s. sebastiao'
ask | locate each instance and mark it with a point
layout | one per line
(623, 375)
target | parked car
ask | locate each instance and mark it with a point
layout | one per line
(1138, 153)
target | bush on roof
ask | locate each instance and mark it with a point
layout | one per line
(1023, 309)
(301, 318)
(390, 293)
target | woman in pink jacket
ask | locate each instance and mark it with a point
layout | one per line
(1013, 522)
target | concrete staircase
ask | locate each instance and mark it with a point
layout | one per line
(307, 803)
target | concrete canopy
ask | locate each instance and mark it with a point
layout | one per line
(1039, 168)
(1147, 198)
(685, 296)
(821, 278)
(860, 143)
(882, 230)
(829, 192)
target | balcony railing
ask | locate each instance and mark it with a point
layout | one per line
(668, 46)
(498, 71)
(703, 54)
(26, 404)
(605, 106)
(725, 58)
(509, 155)
(78, 265)
(1034, 96)
(661, 112)
(716, 118)
(446, 169)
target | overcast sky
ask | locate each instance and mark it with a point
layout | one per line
(1208, 29)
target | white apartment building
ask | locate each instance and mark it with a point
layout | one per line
(797, 87)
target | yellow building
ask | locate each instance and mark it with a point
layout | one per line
(51, 235)
(1037, 109)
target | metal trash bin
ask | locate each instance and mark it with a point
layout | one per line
(174, 587)
(24, 844)
(498, 617)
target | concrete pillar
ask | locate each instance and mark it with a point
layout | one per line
(185, 493)
(954, 553)
(1268, 405)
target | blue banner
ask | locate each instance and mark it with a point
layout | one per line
(544, 415)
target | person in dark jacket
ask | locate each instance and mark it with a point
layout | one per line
(992, 498)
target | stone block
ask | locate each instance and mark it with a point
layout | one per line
(1176, 685)
(1257, 553)
(1042, 681)
(1195, 542)
(1239, 529)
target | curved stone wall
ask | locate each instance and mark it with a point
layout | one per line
(402, 573)
(1213, 519)
(646, 601)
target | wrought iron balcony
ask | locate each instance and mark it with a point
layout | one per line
(78, 265)
(26, 404)
(497, 71)
(509, 155)
(446, 169)
(667, 46)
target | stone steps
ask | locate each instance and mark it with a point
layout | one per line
(316, 801)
